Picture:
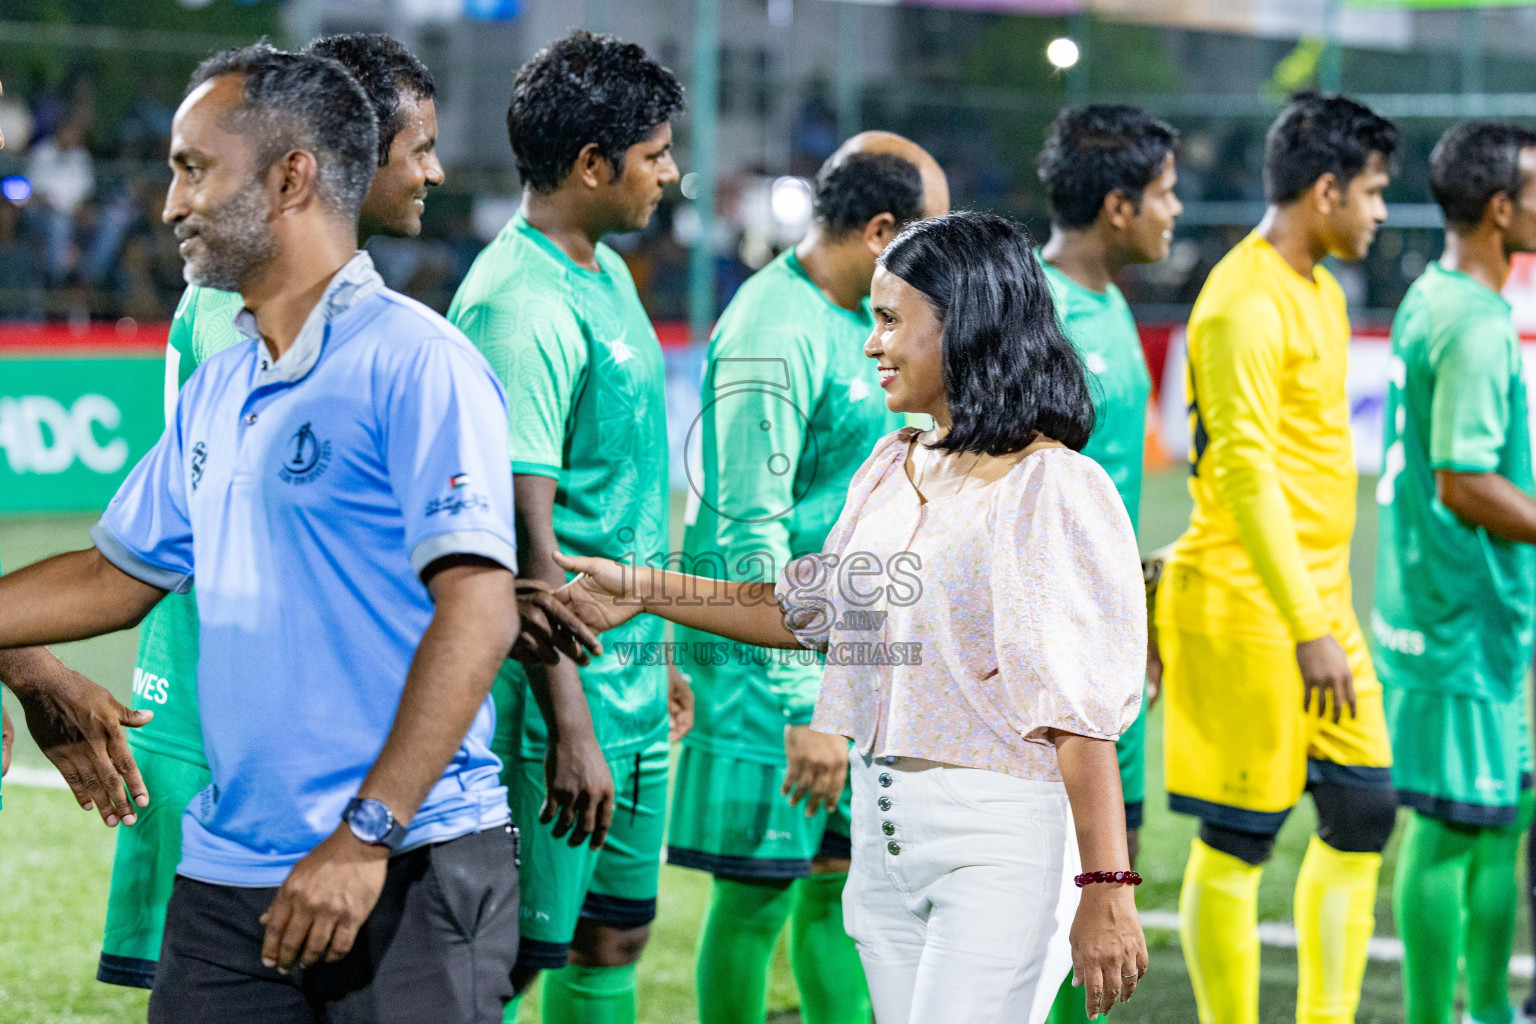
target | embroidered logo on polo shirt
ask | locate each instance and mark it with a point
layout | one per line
(307, 456)
(199, 458)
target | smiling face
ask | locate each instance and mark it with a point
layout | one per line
(908, 347)
(398, 195)
(218, 202)
(1352, 216)
(1150, 232)
(648, 169)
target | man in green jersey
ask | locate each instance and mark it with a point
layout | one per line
(1455, 590)
(1109, 174)
(170, 749)
(791, 409)
(556, 314)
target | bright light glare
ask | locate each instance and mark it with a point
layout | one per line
(790, 201)
(16, 188)
(1062, 53)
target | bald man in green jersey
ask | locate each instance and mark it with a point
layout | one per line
(170, 749)
(791, 408)
(1109, 174)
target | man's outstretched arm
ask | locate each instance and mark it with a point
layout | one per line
(71, 596)
(79, 726)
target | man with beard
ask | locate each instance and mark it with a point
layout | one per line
(349, 525)
(169, 752)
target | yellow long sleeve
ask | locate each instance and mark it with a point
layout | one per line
(1274, 481)
(1236, 372)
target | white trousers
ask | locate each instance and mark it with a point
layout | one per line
(960, 898)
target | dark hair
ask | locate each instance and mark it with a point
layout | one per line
(1009, 371)
(1095, 150)
(1323, 133)
(862, 186)
(386, 70)
(297, 101)
(1474, 162)
(582, 89)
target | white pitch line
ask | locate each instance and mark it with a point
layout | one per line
(1271, 933)
(34, 778)
(1283, 936)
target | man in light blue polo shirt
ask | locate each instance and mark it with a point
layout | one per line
(349, 528)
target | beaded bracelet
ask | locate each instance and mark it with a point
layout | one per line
(1124, 877)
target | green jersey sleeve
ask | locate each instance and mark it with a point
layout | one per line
(772, 381)
(537, 349)
(1470, 414)
(180, 362)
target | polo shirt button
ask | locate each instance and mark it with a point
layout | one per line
(886, 780)
(894, 847)
(884, 802)
(888, 827)
(250, 419)
(889, 759)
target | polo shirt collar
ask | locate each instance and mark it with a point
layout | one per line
(352, 284)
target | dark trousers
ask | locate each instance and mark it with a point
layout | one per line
(439, 946)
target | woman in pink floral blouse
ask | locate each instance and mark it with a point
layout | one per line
(980, 607)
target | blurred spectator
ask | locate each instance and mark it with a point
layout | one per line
(146, 127)
(21, 280)
(63, 176)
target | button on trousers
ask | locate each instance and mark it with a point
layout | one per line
(960, 898)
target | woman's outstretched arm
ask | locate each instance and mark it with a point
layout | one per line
(611, 593)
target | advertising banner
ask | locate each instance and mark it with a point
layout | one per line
(73, 425)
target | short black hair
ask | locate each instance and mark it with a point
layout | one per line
(1098, 149)
(1009, 371)
(298, 101)
(1472, 163)
(386, 70)
(862, 186)
(1323, 133)
(585, 88)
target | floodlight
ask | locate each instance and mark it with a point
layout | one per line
(1062, 53)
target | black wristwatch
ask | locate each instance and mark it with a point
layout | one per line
(374, 823)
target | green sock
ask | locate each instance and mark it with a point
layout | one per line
(736, 946)
(589, 995)
(509, 1015)
(1429, 899)
(825, 961)
(1491, 918)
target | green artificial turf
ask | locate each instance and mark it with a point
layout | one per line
(55, 859)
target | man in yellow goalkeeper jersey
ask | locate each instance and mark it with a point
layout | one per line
(1268, 682)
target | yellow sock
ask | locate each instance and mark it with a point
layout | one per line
(1335, 918)
(1219, 927)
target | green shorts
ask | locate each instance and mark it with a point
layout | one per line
(144, 869)
(1458, 758)
(1131, 751)
(562, 884)
(729, 818)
